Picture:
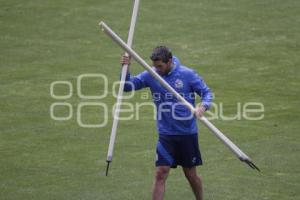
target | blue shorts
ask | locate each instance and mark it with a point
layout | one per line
(173, 150)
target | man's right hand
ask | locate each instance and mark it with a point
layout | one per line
(125, 60)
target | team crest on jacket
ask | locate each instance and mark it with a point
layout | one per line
(178, 83)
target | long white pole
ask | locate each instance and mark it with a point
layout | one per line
(121, 88)
(238, 152)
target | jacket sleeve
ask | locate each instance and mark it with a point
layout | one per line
(199, 86)
(135, 82)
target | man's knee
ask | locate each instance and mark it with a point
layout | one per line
(162, 173)
(191, 174)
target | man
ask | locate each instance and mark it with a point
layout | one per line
(177, 127)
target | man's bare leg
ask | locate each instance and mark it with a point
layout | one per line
(195, 182)
(158, 189)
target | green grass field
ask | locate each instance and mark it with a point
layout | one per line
(246, 50)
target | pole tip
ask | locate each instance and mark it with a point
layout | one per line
(252, 165)
(107, 167)
(101, 25)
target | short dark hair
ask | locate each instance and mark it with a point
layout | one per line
(162, 53)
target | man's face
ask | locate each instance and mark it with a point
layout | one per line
(161, 67)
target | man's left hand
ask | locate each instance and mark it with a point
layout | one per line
(200, 110)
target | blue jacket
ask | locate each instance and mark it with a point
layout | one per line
(173, 118)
